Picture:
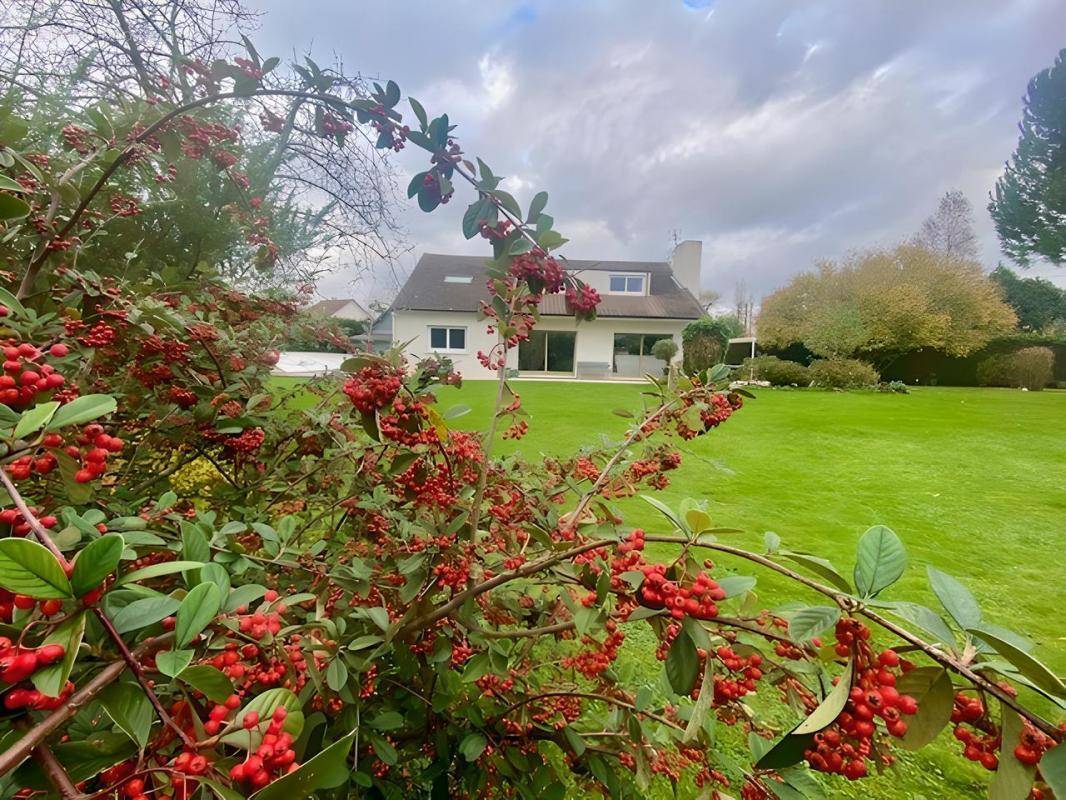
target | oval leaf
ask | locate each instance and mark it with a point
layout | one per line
(1013, 779)
(144, 612)
(28, 568)
(955, 598)
(51, 680)
(808, 622)
(880, 561)
(158, 570)
(94, 563)
(830, 708)
(34, 419)
(209, 680)
(931, 687)
(83, 409)
(1026, 664)
(326, 770)
(198, 608)
(682, 664)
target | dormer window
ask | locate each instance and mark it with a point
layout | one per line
(627, 284)
(458, 278)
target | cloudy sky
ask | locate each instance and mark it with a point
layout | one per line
(779, 132)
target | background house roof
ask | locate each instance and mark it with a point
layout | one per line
(328, 308)
(426, 290)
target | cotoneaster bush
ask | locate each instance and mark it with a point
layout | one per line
(362, 601)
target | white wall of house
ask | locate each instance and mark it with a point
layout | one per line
(352, 310)
(594, 342)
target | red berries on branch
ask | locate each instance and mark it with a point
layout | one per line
(697, 599)
(373, 387)
(846, 746)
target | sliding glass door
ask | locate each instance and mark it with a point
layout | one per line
(548, 351)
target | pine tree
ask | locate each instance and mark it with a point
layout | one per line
(1029, 202)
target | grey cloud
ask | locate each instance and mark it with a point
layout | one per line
(778, 132)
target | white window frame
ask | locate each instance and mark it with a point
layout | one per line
(447, 338)
(628, 276)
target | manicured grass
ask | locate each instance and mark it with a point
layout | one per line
(973, 481)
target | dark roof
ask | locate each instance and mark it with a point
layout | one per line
(426, 290)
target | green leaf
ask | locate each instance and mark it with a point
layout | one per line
(336, 674)
(197, 610)
(83, 409)
(29, 568)
(456, 411)
(809, 622)
(1013, 779)
(209, 680)
(10, 185)
(326, 770)
(702, 706)
(34, 419)
(194, 544)
(682, 664)
(925, 618)
(51, 680)
(12, 207)
(734, 585)
(956, 598)
(665, 510)
(829, 709)
(820, 567)
(1053, 769)
(540, 200)
(473, 745)
(95, 562)
(931, 687)
(880, 562)
(144, 612)
(787, 751)
(173, 662)
(1027, 665)
(157, 570)
(243, 595)
(129, 707)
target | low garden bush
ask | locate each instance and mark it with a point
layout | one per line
(843, 373)
(1031, 368)
(368, 602)
(775, 370)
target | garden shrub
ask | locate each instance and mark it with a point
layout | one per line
(1030, 368)
(775, 370)
(843, 373)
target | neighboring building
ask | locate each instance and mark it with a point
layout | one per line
(642, 301)
(344, 308)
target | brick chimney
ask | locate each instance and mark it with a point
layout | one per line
(686, 262)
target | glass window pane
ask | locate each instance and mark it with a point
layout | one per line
(438, 338)
(635, 284)
(618, 283)
(457, 339)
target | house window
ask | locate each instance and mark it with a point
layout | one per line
(632, 354)
(458, 278)
(627, 284)
(447, 338)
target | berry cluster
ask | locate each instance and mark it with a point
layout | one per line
(20, 527)
(845, 746)
(96, 446)
(373, 387)
(274, 756)
(746, 671)
(980, 736)
(697, 600)
(540, 271)
(18, 663)
(582, 301)
(24, 377)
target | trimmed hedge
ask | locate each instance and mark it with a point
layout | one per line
(775, 370)
(843, 373)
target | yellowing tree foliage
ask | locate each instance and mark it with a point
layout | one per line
(881, 303)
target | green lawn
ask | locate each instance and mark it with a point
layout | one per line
(973, 480)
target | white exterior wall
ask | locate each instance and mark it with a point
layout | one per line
(594, 343)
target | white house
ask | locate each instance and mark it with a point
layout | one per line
(344, 308)
(437, 309)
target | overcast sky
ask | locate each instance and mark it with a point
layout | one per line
(777, 132)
